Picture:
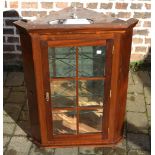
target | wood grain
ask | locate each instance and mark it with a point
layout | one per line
(37, 36)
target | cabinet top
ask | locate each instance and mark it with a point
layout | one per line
(75, 18)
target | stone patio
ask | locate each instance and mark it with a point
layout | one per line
(137, 129)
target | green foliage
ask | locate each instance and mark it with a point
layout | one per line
(134, 66)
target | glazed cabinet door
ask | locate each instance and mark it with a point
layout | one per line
(77, 77)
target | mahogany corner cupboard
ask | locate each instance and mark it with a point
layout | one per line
(76, 65)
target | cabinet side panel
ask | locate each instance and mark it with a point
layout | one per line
(113, 118)
(39, 78)
(123, 82)
(30, 83)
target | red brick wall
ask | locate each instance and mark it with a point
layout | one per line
(140, 9)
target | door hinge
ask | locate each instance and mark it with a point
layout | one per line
(47, 96)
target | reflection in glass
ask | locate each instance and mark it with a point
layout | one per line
(91, 61)
(91, 92)
(62, 61)
(90, 121)
(64, 122)
(63, 93)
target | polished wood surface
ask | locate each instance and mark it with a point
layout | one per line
(37, 37)
(100, 22)
(29, 77)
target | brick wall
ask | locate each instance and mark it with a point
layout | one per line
(17, 9)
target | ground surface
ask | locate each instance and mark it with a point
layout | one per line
(137, 128)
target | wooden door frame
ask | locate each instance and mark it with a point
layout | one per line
(44, 44)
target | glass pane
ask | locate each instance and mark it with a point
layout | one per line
(64, 122)
(90, 121)
(91, 92)
(62, 61)
(63, 93)
(91, 61)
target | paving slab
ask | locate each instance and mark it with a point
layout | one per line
(114, 151)
(90, 150)
(35, 150)
(11, 152)
(24, 116)
(137, 77)
(4, 112)
(23, 128)
(148, 111)
(145, 77)
(25, 106)
(20, 89)
(141, 77)
(125, 129)
(8, 128)
(17, 97)
(19, 131)
(148, 100)
(6, 92)
(13, 110)
(118, 149)
(4, 149)
(135, 103)
(6, 140)
(138, 141)
(137, 122)
(19, 145)
(147, 92)
(138, 152)
(150, 129)
(15, 79)
(135, 89)
(4, 77)
(8, 119)
(122, 144)
(130, 81)
(66, 151)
